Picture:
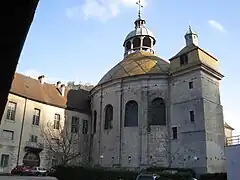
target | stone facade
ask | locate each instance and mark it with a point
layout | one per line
(193, 134)
(154, 145)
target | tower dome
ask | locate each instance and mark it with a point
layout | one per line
(139, 58)
(191, 37)
(140, 39)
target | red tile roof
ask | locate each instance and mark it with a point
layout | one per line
(30, 88)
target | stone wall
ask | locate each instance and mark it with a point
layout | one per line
(119, 143)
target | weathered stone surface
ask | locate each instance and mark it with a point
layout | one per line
(153, 145)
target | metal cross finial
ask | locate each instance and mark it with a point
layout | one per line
(139, 8)
(189, 25)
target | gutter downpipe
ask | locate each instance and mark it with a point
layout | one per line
(100, 128)
(21, 132)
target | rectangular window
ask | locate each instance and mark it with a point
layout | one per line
(183, 59)
(34, 138)
(174, 132)
(4, 160)
(56, 124)
(75, 124)
(36, 117)
(190, 85)
(8, 134)
(192, 116)
(54, 162)
(85, 127)
(11, 110)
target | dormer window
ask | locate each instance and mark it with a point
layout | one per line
(183, 59)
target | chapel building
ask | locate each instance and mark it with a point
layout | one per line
(148, 111)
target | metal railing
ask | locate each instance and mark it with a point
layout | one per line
(234, 140)
(137, 49)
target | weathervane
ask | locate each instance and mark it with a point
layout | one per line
(139, 8)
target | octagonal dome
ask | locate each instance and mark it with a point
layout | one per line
(139, 63)
(139, 31)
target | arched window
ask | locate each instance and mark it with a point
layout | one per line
(128, 45)
(136, 42)
(157, 112)
(147, 42)
(131, 114)
(94, 121)
(108, 117)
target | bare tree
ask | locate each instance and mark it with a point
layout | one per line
(61, 142)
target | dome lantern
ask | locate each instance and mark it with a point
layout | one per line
(140, 39)
(191, 37)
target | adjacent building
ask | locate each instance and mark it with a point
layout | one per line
(32, 105)
(228, 133)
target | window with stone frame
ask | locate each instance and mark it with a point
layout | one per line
(11, 110)
(75, 124)
(54, 162)
(85, 127)
(7, 134)
(108, 117)
(56, 124)
(94, 121)
(183, 59)
(190, 85)
(192, 116)
(174, 133)
(4, 160)
(33, 138)
(157, 112)
(36, 117)
(131, 114)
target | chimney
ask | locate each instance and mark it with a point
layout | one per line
(58, 84)
(41, 79)
(62, 89)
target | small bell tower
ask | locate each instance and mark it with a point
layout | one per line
(141, 38)
(191, 37)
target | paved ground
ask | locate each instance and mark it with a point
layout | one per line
(26, 178)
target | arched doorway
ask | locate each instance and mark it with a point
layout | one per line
(31, 159)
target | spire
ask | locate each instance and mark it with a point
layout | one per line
(139, 8)
(139, 22)
(189, 27)
(191, 37)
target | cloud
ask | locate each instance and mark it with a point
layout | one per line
(100, 9)
(217, 25)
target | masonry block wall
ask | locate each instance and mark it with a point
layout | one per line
(189, 150)
(143, 144)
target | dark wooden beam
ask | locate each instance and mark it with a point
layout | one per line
(15, 19)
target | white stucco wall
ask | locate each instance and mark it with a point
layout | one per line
(47, 115)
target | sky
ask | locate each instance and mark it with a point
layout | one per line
(80, 40)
